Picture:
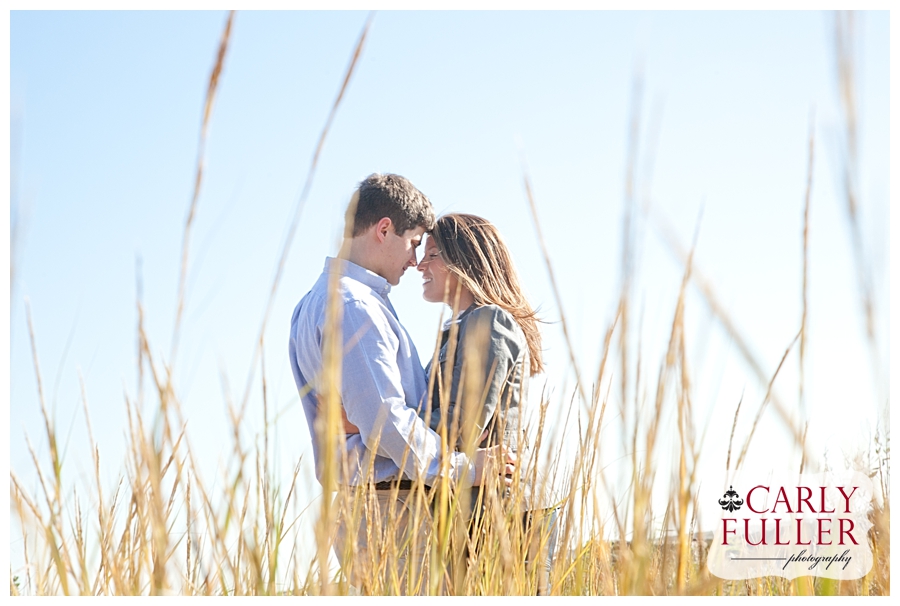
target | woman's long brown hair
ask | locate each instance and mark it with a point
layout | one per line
(476, 254)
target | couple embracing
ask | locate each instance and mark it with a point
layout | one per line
(407, 430)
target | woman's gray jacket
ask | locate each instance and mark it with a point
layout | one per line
(481, 402)
(487, 350)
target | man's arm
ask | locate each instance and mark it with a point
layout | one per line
(374, 399)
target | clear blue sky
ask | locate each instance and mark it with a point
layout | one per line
(105, 114)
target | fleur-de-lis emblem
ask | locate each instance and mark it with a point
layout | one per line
(731, 500)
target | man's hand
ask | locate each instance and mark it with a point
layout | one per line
(498, 460)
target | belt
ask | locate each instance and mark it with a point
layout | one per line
(398, 484)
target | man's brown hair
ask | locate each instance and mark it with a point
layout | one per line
(390, 196)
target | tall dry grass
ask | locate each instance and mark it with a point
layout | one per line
(162, 529)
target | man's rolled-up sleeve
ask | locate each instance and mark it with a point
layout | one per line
(373, 397)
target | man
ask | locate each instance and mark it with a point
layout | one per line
(382, 383)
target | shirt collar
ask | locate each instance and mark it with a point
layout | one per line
(342, 267)
(451, 321)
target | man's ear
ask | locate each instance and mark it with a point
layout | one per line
(382, 227)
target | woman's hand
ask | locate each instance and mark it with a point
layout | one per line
(349, 428)
(499, 460)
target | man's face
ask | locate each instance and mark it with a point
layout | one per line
(400, 253)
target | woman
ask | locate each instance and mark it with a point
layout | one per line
(486, 348)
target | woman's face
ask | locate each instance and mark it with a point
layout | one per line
(437, 279)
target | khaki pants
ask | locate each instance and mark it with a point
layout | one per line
(382, 541)
(543, 544)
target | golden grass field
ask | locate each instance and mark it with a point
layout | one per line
(161, 530)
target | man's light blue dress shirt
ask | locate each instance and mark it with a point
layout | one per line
(382, 380)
